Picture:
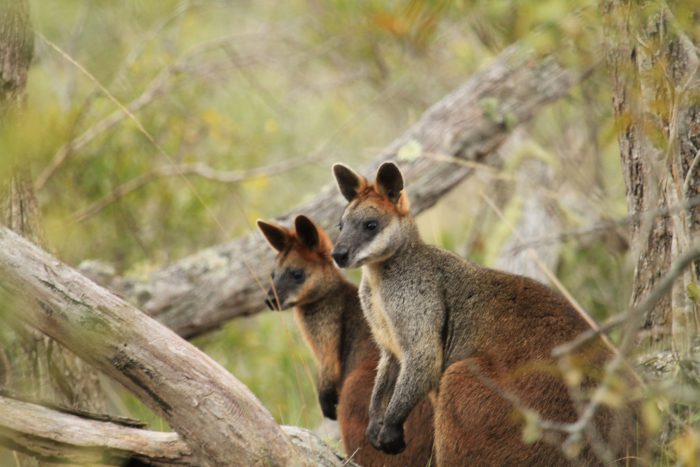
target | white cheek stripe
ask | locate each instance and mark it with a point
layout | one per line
(377, 246)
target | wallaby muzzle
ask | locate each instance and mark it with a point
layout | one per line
(273, 301)
(341, 256)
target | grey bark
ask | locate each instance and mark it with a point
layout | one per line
(656, 99)
(16, 50)
(60, 437)
(203, 291)
(67, 438)
(215, 414)
(539, 219)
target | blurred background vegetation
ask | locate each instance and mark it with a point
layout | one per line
(291, 87)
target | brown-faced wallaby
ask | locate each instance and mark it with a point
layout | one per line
(467, 335)
(327, 309)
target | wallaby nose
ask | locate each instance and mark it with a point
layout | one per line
(341, 256)
(271, 300)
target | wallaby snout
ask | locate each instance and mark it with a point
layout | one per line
(341, 256)
(271, 301)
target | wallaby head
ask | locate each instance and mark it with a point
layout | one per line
(303, 269)
(377, 221)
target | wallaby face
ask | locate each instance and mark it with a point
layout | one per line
(372, 226)
(302, 265)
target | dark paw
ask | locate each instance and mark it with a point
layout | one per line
(391, 439)
(329, 401)
(373, 430)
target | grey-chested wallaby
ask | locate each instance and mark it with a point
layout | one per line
(327, 309)
(457, 331)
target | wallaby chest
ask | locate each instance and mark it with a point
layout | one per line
(377, 306)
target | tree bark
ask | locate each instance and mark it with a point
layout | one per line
(201, 292)
(216, 415)
(656, 99)
(66, 438)
(59, 437)
(16, 50)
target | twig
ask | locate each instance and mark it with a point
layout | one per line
(492, 171)
(611, 224)
(155, 88)
(200, 169)
(633, 316)
(583, 338)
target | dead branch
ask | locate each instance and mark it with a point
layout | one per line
(202, 291)
(217, 416)
(55, 436)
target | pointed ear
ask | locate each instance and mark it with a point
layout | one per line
(349, 182)
(389, 181)
(307, 233)
(275, 235)
(312, 236)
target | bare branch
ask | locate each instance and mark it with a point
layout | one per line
(55, 436)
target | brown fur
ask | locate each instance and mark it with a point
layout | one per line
(333, 327)
(475, 337)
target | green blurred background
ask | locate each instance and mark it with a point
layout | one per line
(238, 85)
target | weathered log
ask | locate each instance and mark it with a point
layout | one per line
(217, 416)
(202, 291)
(63, 437)
(54, 436)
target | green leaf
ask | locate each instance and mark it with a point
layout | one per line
(694, 292)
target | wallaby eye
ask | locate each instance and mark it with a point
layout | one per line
(371, 225)
(340, 225)
(298, 274)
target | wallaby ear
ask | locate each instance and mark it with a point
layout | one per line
(389, 181)
(275, 235)
(349, 182)
(307, 232)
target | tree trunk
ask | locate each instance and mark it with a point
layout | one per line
(33, 364)
(16, 50)
(203, 291)
(656, 98)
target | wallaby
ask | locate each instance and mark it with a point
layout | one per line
(327, 309)
(467, 335)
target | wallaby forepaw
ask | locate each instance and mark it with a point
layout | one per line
(329, 401)
(373, 430)
(391, 439)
